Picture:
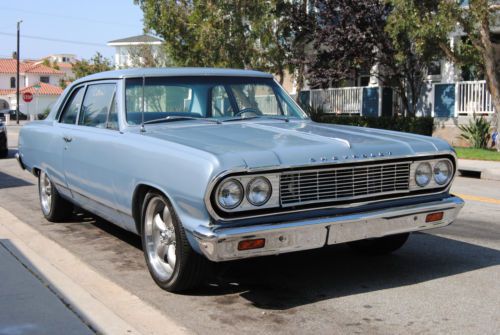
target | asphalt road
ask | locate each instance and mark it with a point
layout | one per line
(445, 281)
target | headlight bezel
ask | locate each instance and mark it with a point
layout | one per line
(414, 186)
(246, 204)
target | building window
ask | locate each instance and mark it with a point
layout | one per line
(435, 68)
(12, 82)
(44, 79)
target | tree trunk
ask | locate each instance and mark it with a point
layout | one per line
(300, 80)
(490, 68)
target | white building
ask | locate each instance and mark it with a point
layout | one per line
(124, 48)
(34, 77)
(64, 62)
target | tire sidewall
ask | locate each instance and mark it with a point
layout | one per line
(166, 284)
(51, 209)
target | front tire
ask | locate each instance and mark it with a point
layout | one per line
(380, 246)
(54, 207)
(171, 261)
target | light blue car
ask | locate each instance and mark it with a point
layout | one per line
(211, 165)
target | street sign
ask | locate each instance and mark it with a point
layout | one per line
(27, 97)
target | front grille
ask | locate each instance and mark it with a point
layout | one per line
(343, 183)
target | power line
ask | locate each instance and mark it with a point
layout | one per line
(66, 16)
(55, 39)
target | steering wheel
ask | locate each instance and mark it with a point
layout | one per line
(246, 110)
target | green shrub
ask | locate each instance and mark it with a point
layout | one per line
(477, 132)
(44, 114)
(418, 125)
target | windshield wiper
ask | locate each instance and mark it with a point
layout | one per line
(173, 118)
(286, 119)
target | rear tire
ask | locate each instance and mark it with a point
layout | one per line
(54, 207)
(4, 153)
(171, 261)
(380, 246)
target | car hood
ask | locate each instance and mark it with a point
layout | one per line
(265, 143)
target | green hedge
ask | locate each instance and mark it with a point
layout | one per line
(418, 125)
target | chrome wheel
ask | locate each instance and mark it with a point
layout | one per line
(45, 193)
(160, 238)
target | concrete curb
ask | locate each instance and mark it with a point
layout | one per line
(104, 305)
(485, 169)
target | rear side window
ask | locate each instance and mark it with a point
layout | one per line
(96, 105)
(71, 109)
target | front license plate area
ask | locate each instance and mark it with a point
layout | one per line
(359, 230)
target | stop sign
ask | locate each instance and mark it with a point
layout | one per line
(27, 97)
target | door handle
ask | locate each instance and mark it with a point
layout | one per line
(67, 139)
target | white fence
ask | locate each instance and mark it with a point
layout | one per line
(473, 97)
(346, 100)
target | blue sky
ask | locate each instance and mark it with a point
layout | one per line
(89, 24)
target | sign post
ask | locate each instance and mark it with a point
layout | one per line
(37, 88)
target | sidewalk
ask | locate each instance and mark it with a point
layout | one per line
(45, 289)
(486, 169)
(27, 305)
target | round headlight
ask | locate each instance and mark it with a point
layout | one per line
(230, 194)
(259, 191)
(442, 172)
(423, 174)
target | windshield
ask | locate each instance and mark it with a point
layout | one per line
(207, 97)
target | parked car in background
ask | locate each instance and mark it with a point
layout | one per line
(4, 147)
(12, 113)
(217, 165)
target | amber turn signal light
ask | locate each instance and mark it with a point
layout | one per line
(252, 244)
(434, 217)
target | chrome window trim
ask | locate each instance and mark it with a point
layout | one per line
(96, 83)
(270, 169)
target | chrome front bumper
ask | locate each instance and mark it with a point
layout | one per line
(221, 244)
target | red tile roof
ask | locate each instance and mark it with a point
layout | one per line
(45, 89)
(9, 66)
(7, 91)
(65, 65)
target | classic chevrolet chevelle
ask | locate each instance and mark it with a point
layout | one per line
(222, 165)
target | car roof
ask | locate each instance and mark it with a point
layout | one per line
(173, 72)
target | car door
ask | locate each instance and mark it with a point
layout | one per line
(63, 130)
(91, 148)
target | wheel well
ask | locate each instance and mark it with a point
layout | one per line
(137, 200)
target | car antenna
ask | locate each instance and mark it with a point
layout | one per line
(143, 130)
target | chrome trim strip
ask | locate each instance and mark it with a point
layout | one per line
(270, 169)
(220, 244)
(19, 160)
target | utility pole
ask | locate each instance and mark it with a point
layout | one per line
(17, 72)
